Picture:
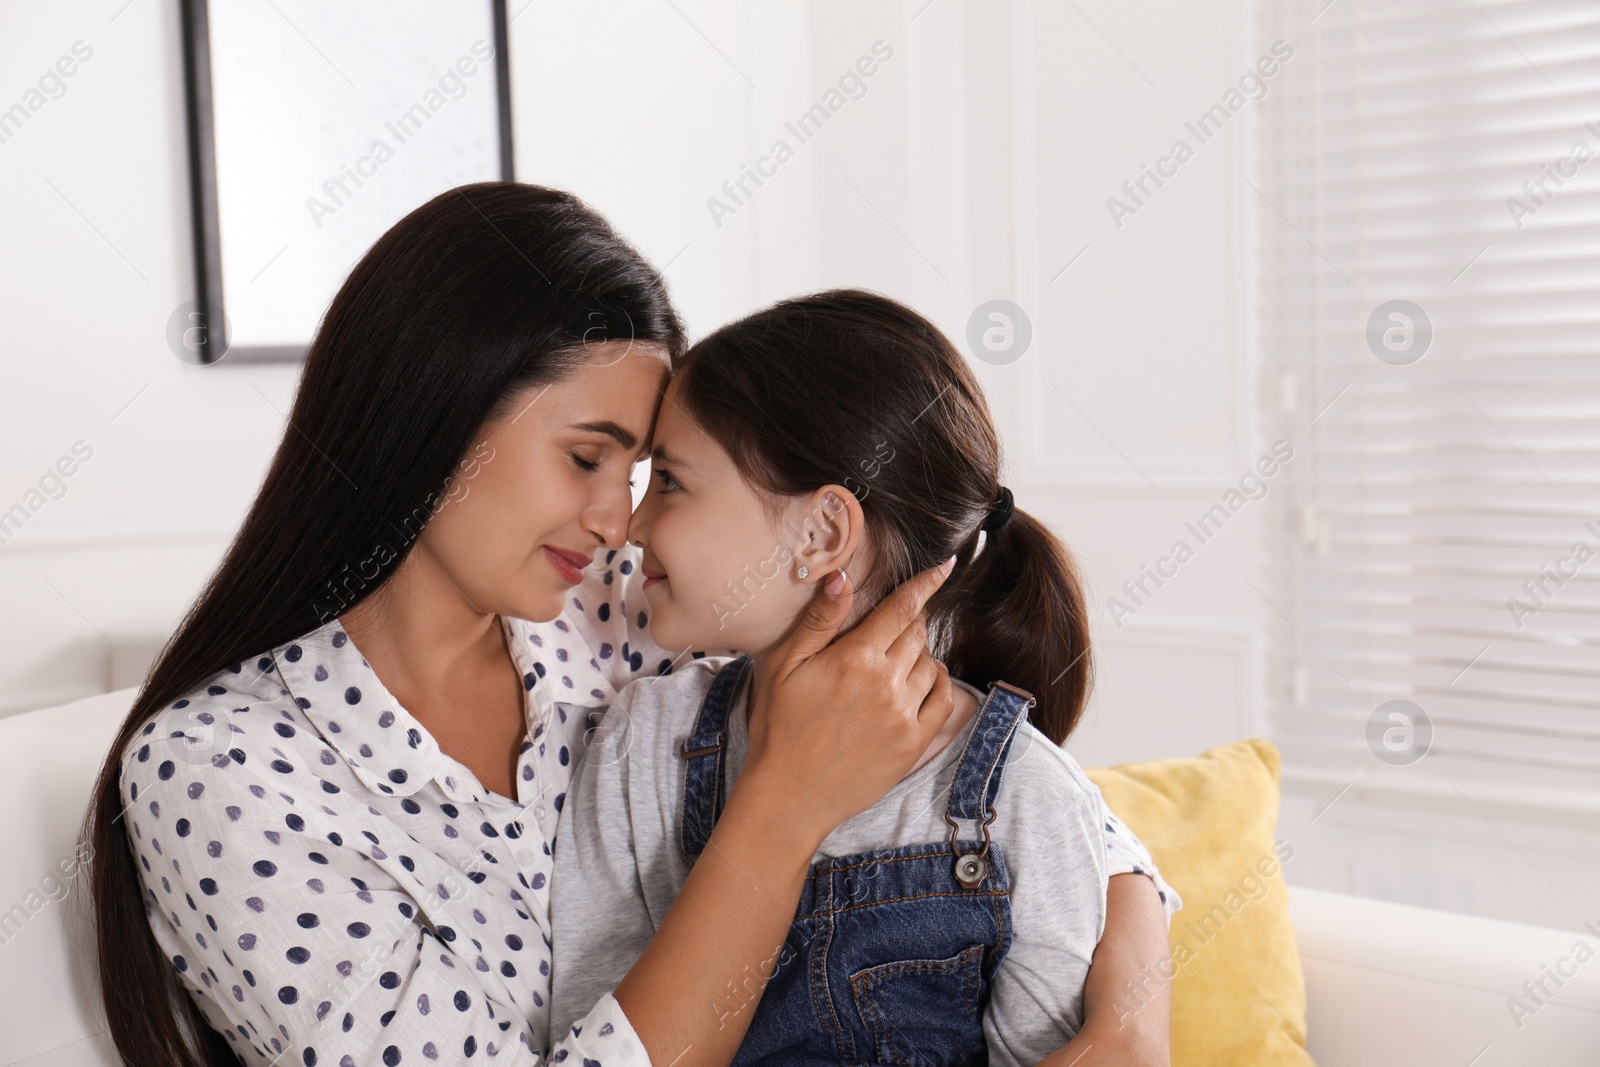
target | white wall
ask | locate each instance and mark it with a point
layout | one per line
(96, 257)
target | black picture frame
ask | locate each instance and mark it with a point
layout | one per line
(211, 340)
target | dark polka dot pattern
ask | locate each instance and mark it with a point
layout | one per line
(331, 888)
(1126, 854)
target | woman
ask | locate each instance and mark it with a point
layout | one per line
(341, 778)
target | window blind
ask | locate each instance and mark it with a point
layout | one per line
(1439, 538)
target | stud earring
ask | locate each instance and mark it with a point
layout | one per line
(804, 574)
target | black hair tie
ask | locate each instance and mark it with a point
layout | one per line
(1000, 511)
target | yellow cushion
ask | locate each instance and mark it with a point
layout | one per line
(1238, 995)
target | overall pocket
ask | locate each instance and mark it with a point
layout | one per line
(914, 1006)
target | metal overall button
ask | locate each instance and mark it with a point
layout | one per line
(971, 867)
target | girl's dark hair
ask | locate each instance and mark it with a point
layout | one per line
(851, 388)
(477, 294)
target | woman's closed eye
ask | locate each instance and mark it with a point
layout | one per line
(589, 466)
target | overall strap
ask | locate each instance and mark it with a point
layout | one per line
(977, 780)
(704, 786)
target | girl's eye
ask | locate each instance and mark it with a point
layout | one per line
(669, 484)
(588, 465)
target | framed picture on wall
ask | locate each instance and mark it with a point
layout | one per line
(314, 127)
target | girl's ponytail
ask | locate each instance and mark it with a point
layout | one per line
(1015, 612)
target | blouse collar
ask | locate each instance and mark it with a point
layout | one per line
(389, 750)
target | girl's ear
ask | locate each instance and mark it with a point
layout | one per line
(833, 524)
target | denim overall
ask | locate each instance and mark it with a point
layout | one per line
(892, 952)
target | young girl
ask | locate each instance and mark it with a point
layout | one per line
(840, 438)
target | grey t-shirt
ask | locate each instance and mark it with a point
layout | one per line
(619, 863)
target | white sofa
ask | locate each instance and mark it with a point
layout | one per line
(1388, 985)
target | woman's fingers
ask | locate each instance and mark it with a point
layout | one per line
(920, 679)
(823, 617)
(938, 705)
(838, 724)
(911, 644)
(900, 609)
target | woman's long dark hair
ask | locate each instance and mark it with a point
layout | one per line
(475, 295)
(851, 388)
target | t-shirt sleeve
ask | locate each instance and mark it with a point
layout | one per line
(598, 919)
(1056, 861)
(310, 952)
(1126, 854)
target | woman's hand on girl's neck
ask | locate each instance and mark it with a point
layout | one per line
(966, 707)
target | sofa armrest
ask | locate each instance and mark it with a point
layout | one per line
(50, 1008)
(1391, 984)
